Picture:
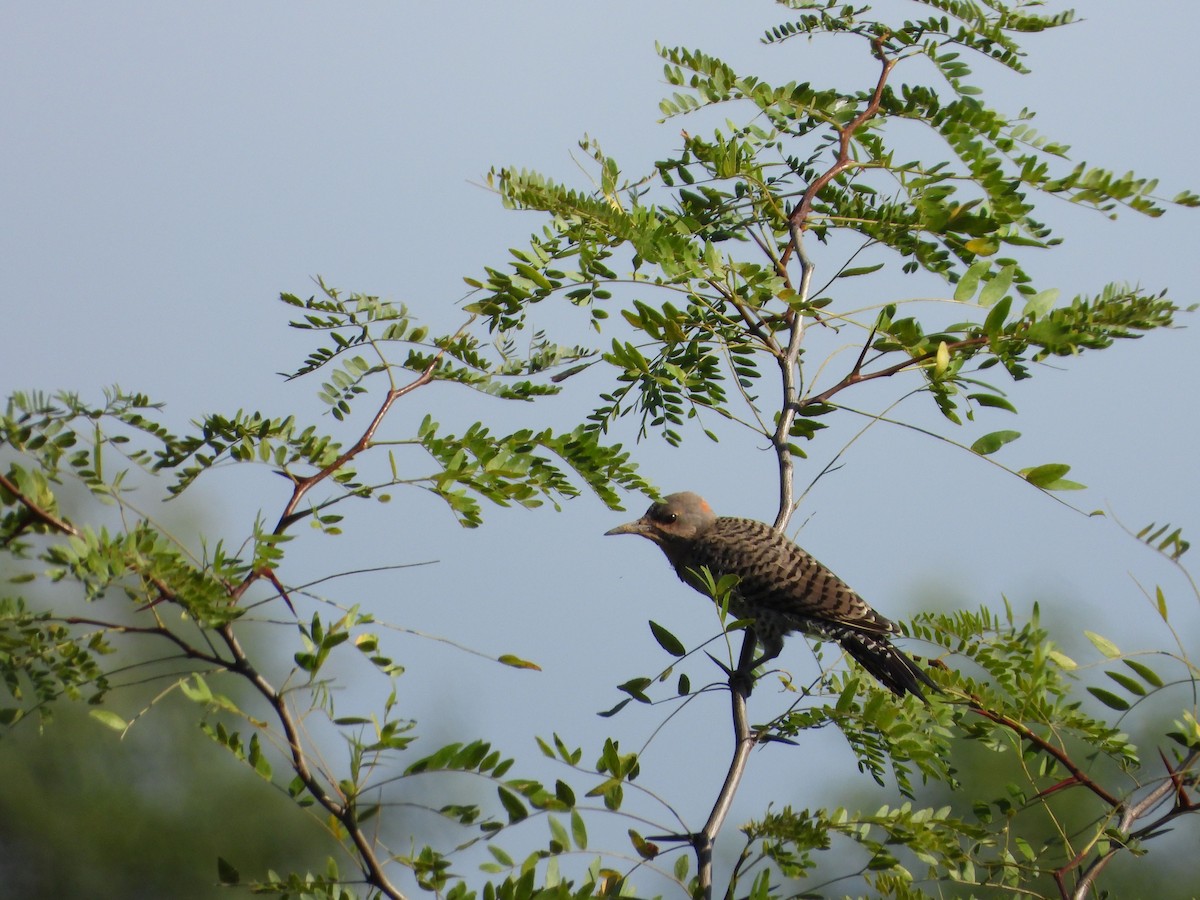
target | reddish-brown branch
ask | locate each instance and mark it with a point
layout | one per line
(304, 485)
(301, 486)
(1021, 729)
(64, 527)
(1182, 800)
(800, 215)
(42, 515)
(856, 376)
(268, 573)
(341, 808)
(797, 223)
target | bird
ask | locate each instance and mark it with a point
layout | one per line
(781, 587)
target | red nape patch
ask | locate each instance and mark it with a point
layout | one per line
(704, 507)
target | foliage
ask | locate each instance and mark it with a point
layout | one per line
(702, 270)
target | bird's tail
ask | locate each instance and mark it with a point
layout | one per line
(894, 670)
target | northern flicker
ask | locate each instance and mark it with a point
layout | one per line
(781, 587)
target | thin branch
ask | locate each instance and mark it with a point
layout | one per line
(856, 376)
(1024, 731)
(160, 631)
(744, 740)
(304, 485)
(1132, 812)
(787, 372)
(741, 679)
(42, 515)
(800, 215)
(343, 811)
(797, 223)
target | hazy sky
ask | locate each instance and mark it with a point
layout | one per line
(167, 169)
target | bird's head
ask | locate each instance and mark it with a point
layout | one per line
(676, 517)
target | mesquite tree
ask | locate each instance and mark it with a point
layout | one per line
(715, 278)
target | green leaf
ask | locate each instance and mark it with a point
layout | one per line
(846, 698)
(1147, 674)
(681, 867)
(992, 442)
(1109, 699)
(564, 794)
(997, 287)
(608, 713)
(109, 718)
(1041, 303)
(982, 246)
(859, 270)
(636, 688)
(578, 830)
(941, 360)
(969, 283)
(500, 856)
(1048, 477)
(196, 689)
(992, 400)
(1103, 644)
(1045, 474)
(558, 833)
(994, 323)
(1129, 683)
(666, 640)
(1063, 661)
(644, 848)
(512, 805)
(256, 759)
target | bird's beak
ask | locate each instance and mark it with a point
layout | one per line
(636, 527)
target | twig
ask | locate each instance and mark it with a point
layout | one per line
(844, 161)
(787, 373)
(344, 812)
(42, 515)
(1132, 812)
(303, 485)
(1024, 731)
(188, 650)
(855, 376)
(744, 739)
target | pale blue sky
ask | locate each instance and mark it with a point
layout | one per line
(167, 169)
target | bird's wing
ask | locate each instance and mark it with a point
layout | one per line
(779, 576)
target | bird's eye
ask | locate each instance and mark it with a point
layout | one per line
(670, 518)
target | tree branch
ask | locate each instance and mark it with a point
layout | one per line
(797, 223)
(42, 515)
(788, 363)
(161, 631)
(855, 376)
(344, 812)
(744, 739)
(1132, 812)
(303, 485)
(800, 215)
(741, 680)
(1025, 732)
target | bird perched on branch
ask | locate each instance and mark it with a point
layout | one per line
(781, 587)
